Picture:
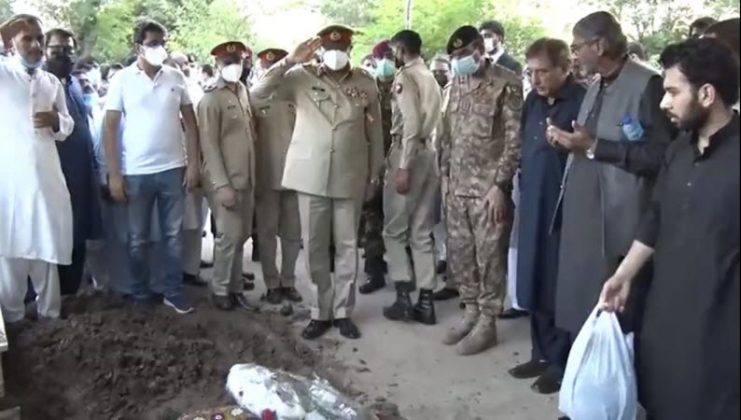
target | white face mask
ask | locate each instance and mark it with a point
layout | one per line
(335, 59)
(490, 44)
(231, 73)
(155, 56)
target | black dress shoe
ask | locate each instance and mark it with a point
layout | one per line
(348, 329)
(372, 284)
(249, 281)
(240, 301)
(548, 383)
(291, 294)
(194, 280)
(222, 302)
(528, 370)
(274, 297)
(316, 329)
(446, 293)
(512, 313)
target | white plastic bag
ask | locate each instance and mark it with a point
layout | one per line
(599, 382)
(257, 388)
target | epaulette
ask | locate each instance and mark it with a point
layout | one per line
(364, 72)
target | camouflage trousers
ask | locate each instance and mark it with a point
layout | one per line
(477, 253)
(371, 226)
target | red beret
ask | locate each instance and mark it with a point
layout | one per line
(271, 55)
(336, 34)
(381, 49)
(231, 47)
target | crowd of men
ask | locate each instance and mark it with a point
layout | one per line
(625, 185)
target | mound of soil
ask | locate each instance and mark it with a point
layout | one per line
(110, 360)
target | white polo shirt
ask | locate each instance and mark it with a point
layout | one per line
(152, 136)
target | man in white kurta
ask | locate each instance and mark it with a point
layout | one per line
(35, 208)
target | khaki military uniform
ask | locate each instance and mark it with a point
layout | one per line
(372, 217)
(277, 208)
(480, 148)
(227, 142)
(409, 218)
(335, 150)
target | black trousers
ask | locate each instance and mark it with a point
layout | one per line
(70, 276)
(550, 343)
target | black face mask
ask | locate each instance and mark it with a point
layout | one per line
(60, 66)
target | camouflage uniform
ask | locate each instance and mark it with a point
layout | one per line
(480, 148)
(372, 217)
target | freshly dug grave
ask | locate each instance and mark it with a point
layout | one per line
(110, 360)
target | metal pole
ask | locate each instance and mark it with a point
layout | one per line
(408, 15)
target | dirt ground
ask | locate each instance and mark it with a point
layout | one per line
(108, 359)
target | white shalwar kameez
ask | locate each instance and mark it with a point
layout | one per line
(35, 208)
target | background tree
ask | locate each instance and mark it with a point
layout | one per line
(6, 10)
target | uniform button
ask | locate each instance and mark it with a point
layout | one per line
(689, 184)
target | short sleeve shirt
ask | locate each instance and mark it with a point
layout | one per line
(152, 139)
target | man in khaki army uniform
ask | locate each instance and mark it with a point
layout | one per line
(277, 208)
(335, 153)
(411, 182)
(480, 151)
(372, 221)
(227, 143)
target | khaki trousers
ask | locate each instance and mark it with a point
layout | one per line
(321, 216)
(277, 215)
(409, 220)
(233, 227)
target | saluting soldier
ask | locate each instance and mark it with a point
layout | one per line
(411, 182)
(227, 142)
(480, 151)
(335, 153)
(277, 207)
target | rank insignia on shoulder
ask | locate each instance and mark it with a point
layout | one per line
(398, 88)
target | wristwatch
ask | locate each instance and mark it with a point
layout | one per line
(590, 151)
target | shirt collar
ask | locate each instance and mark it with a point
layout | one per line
(497, 55)
(729, 131)
(566, 90)
(417, 61)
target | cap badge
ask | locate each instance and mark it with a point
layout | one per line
(458, 43)
(335, 36)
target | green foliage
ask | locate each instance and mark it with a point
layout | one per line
(354, 13)
(6, 10)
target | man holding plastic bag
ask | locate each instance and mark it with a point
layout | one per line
(688, 361)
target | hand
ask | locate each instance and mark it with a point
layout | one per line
(579, 140)
(615, 293)
(117, 188)
(304, 52)
(192, 178)
(497, 206)
(402, 181)
(226, 197)
(48, 119)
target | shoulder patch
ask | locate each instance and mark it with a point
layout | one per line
(398, 87)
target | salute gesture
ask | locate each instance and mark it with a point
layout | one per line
(304, 52)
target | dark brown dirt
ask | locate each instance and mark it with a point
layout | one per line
(111, 360)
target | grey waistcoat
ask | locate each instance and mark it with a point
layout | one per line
(624, 196)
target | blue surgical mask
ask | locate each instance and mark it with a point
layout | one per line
(385, 68)
(465, 66)
(89, 99)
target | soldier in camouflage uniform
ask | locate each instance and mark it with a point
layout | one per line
(372, 217)
(480, 151)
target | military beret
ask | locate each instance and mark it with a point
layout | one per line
(462, 37)
(381, 49)
(231, 47)
(336, 34)
(271, 55)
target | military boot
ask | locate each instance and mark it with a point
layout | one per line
(463, 327)
(483, 336)
(401, 309)
(424, 310)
